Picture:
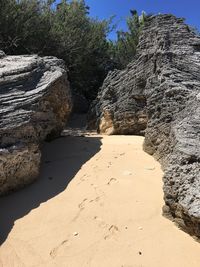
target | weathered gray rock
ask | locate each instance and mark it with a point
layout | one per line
(120, 107)
(35, 102)
(165, 73)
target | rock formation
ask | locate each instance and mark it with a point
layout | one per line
(161, 88)
(119, 107)
(35, 102)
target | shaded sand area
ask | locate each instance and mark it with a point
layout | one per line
(97, 203)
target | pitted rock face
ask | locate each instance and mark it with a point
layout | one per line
(120, 107)
(35, 101)
(165, 77)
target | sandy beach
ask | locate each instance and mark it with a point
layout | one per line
(98, 203)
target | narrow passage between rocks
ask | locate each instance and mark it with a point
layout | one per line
(97, 203)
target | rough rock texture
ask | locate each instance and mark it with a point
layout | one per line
(165, 72)
(118, 109)
(35, 102)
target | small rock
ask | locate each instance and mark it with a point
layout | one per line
(75, 234)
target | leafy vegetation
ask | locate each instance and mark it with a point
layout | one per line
(124, 48)
(65, 30)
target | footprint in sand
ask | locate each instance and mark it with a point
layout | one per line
(82, 204)
(95, 199)
(81, 207)
(110, 164)
(83, 178)
(111, 181)
(54, 251)
(113, 230)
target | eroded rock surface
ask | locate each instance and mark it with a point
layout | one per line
(35, 102)
(120, 107)
(166, 76)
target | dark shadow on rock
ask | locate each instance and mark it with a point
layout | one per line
(61, 160)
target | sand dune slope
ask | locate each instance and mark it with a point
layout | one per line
(97, 203)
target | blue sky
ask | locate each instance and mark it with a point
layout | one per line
(190, 9)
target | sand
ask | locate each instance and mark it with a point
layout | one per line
(97, 203)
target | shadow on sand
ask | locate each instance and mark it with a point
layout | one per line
(61, 160)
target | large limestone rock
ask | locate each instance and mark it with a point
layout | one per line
(120, 107)
(35, 102)
(166, 76)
